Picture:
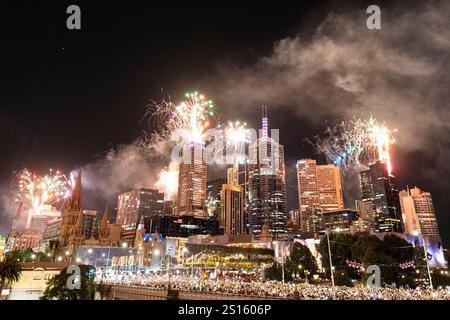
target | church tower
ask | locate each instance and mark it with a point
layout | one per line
(104, 232)
(72, 210)
(77, 232)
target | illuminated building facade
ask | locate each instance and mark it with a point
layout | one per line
(266, 184)
(418, 212)
(339, 220)
(191, 199)
(379, 190)
(232, 217)
(319, 190)
(182, 226)
(137, 203)
(319, 186)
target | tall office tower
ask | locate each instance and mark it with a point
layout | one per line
(213, 197)
(330, 187)
(319, 190)
(232, 217)
(308, 190)
(192, 183)
(319, 186)
(379, 190)
(72, 209)
(266, 184)
(137, 203)
(233, 174)
(418, 212)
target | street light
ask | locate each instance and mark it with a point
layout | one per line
(33, 256)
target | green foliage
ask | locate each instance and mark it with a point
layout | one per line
(440, 280)
(275, 272)
(26, 255)
(342, 279)
(369, 250)
(57, 288)
(301, 256)
(10, 269)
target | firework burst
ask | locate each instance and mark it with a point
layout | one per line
(168, 182)
(355, 143)
(35, 191)
(237, 135)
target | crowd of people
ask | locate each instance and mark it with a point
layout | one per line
(270, 289)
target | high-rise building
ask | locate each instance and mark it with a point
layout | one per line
(319, 186)
(308, 190)
(191, 197)
(418, 212)
(330, 187)
(319, 190)
(266, 184)
(137, 203)
(233, 174)
(213, 198)
(238, 175)
(379, 190)
(232, 217)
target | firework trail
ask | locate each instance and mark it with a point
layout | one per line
(356, 143)
(35, 191)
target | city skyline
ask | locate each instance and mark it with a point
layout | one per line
(225, 151)
(98, 127)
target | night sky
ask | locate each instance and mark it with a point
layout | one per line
(67, 98)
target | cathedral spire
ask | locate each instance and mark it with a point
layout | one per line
(105, 218)
(75, 202)
(76, 193)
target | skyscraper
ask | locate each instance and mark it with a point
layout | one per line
(379, 191)
(319, 190)
(330, 187)
(308, 189)
(418, 212)
(137, 203)
(232, 217)
(266, 184)
(213, 198)
(192, 182)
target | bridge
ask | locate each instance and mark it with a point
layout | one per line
(124, 292)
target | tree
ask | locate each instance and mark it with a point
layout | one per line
(28, 255)
(301, 256)
(10, 270)
(342, 279)
(275, 272)
(341, 250)
(58, 289)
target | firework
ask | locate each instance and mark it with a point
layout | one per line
(35, 191)
(355, 143)
(237, 135)
(380, 138)
(168, 182)
(193, 114)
